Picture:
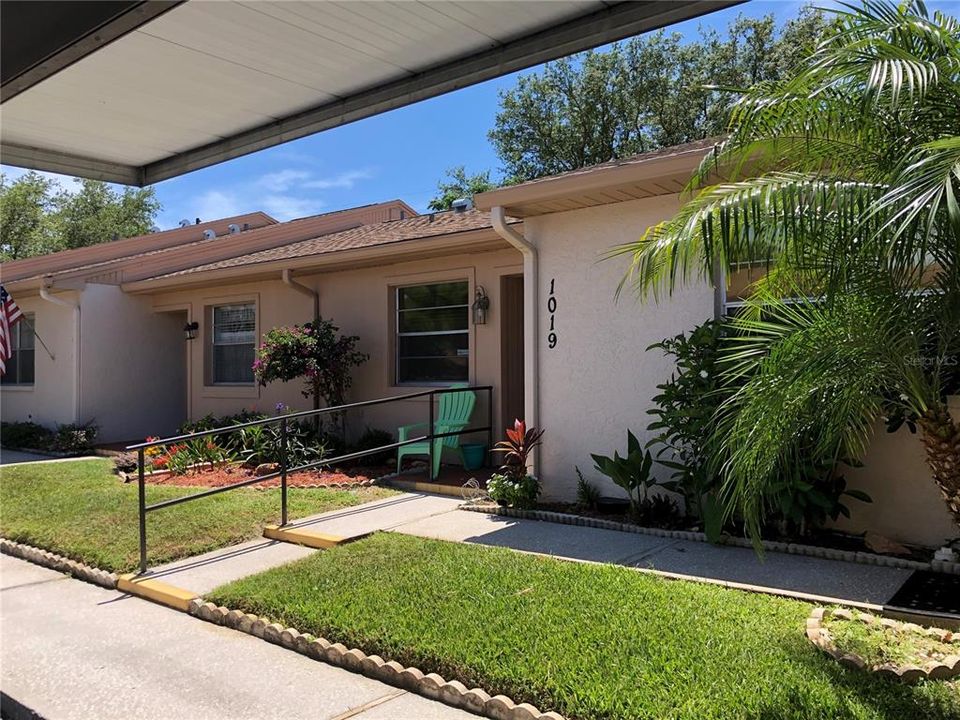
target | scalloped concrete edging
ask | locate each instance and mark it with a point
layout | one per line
(863, 558)
(58, 562)
(431, 685)
(823, 639)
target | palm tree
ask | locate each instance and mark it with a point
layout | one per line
(844, 181)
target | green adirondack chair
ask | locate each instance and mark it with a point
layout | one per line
(453, 414)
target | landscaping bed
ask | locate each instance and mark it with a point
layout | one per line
(589, 641)
(234, 473)
(79, 510)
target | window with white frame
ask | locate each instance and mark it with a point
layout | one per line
(433, 333)
(20, 369)
(234, 338)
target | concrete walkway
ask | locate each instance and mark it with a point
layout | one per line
(435, 516)
(205, 572)
(780, 572)
(17, 457)
(73, 650)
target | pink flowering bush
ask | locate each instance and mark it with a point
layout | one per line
(315, 352)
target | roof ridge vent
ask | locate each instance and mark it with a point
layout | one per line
(233, 228)
(209, 234)
(185, 223)
(461, 205)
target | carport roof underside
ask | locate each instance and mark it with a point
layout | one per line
(138, 92)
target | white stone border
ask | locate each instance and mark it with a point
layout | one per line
(822, 638)
(864, 558)
(432, 686)
(58, 562)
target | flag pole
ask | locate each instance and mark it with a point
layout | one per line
(37, 336)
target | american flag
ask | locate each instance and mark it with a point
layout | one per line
(10, 315)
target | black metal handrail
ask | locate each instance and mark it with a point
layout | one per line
(284, 471)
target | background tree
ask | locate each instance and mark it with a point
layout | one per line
(25, 207)
(38, 216)
(96, 213)
(648, 92)
(457, 184)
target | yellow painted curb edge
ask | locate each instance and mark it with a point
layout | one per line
(321, 541)
(159, 592)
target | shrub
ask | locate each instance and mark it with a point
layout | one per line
(26, 435)
(125, 462)
(313, 351)
(684, 410)
(75, 437)
(373, 438)
(513, 485)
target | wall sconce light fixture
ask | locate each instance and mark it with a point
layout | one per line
(190, 330)
(481, 303)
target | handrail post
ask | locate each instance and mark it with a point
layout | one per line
(430, 433)
(142, 502)
(283, 471)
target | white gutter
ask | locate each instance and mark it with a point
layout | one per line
(531, 315)
(75, 306)
(288, 280)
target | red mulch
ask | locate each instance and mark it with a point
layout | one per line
(230, 474)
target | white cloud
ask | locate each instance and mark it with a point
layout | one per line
(281, 180)
(344, 180)
(288, 207)
(215, 204)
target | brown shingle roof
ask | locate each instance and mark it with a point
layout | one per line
(385, 233)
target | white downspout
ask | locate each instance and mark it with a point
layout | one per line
(300, 287)
(531, 318)
(45, 294)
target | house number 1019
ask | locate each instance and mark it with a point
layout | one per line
(552, 309)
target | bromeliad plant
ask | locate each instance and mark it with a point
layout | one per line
(513, 485)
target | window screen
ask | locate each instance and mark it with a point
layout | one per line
(234, 343)
(433, 341)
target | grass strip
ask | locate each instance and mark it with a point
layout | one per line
(590, 641)
(79, 509)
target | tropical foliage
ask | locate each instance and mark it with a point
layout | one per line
(513, 485)
(843, 182)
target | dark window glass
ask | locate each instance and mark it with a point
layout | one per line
(433, 333)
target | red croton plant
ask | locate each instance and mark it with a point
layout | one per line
(517, 447)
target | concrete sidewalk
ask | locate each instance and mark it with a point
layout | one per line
(825, 579)
(206, 572)
(73, 650)
(438, 517)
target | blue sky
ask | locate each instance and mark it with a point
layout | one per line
(400, 154)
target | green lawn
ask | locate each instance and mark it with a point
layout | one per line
(81, 510)
(589, 641)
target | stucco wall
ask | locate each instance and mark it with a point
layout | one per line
(598, 380)
(133, 369)
(51, 399)
(358, 301)
(907, 505)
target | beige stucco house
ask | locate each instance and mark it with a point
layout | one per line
(555, 345)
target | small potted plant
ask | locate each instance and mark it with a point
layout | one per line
(513, 485)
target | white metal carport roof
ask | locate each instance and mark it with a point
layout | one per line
(185, 85)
